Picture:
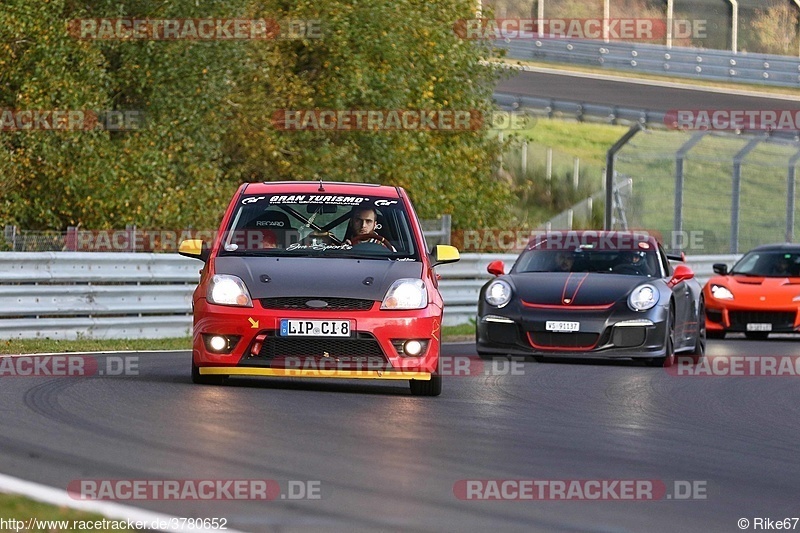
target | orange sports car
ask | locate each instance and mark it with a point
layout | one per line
(758, 296)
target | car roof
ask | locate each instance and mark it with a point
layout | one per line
(600, 239)
(778, 247)
(313, 187)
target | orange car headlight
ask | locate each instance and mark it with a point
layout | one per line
(721, 293)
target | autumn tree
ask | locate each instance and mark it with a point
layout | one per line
(207, 109)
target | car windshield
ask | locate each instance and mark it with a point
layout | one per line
(628, 262)
(769, 264)
(320, 225)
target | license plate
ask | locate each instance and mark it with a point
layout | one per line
(562, 327)
(759, 327)
(291, 327)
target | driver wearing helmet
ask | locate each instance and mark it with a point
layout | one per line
(631, 263)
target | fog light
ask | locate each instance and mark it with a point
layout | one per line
(220, 344)
(412, 348)
(217, 343)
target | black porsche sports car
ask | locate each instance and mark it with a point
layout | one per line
(592, 294)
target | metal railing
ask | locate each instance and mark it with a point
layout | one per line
(716, 65)
(67, 295)
(581, 111)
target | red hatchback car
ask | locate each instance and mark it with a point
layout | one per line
(319, 279)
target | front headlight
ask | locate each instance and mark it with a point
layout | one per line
(643, 297)
(228, 290)
(406, 293)
(498, 293)
(721, 293)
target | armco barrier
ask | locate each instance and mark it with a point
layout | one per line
(715, 65)
(66, 295)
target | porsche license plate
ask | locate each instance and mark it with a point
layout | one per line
(291, 327)
(758, 326)
(562, 327)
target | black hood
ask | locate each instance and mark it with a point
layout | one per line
(322, 277)
(580, 288)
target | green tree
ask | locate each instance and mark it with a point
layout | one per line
(385, 54)
(208, 107)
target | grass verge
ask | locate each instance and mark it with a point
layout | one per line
(51, 518)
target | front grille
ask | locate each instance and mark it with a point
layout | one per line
(629, 336)
(334, 304)
(778, 319)
(547, 339)
(360, 352)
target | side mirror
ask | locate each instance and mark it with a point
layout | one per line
(682, 273)
(496, 268)
(721, 269)
(194, 248)
(444, 253)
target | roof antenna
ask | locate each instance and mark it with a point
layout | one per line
(321, 188)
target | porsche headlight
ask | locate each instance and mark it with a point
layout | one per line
(498, 293)
(406, 293)
(228, 290)
(643, 297)
(721, 293)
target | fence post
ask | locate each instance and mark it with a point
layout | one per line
(446, 228)
(790, 187)
(610, 155)
(71, 239)
(736, 189)
(500, 156)
(524, 158)
(576, 173)
(130, 230)
(677, 222)
(10, 235)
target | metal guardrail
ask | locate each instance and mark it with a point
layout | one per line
(717, 65)
(66, 295)
(582, 111)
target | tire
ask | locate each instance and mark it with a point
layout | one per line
(715, 334)
(433, 387)
(201, 379)
(669, 358)
(700, 342)
(757, 335)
